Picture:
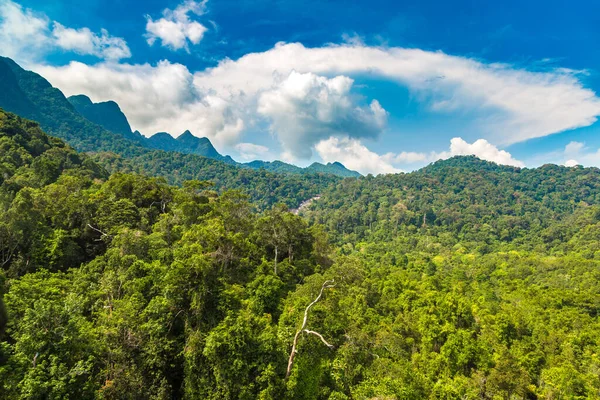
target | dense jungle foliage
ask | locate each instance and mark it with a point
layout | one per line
(465, 280)
(264, 188)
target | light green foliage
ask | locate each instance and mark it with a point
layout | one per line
(464, 280)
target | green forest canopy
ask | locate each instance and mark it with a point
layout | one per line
(462, 280)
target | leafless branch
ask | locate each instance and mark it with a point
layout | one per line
(8, 247)
(327, 284)
(100, 232)
(317, 334)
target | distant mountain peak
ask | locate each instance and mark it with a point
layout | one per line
(186, 135)
(107, 114)
(186, 143)
(335, 168)
(469, 161)
(190, 139)
(161, 135)
(80, 98)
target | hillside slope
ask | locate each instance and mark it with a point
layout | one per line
(466, 196)
(30, 158)
(107, 114)
(31, 96)
(126, 285)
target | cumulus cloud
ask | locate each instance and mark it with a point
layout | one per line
(84, 41)
(571, 163)
(21, 29)
(481, 148)
(27, 36)
(251, 151)
(306, 108)
(510, 104)
(354, 155)
(574, 149)
(406, 157)
(176, 29)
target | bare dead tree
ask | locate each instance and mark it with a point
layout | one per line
(165, 198)
(103, 235)
(327, 284)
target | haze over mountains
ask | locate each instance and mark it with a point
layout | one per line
(98, 127)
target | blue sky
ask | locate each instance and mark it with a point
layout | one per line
(382, 86)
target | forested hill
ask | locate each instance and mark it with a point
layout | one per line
(471, 199)
(264, 188)
(334, 168)
(462, 280)
(28, 95)
(107, 114)
(30, 158)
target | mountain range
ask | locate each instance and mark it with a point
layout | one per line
(101, 127)
(109, 115)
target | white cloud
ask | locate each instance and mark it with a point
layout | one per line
(26, 36)
(288, 157)
(577, 153)
(574, 149)
(175, 29)
(482, 149)
(79, 40)
(84, 41)
(306, 108)
(406, 157)
(510, 104)
(251, 151)
(21, 29)
(354, 155)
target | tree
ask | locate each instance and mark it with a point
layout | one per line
(326, 285)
